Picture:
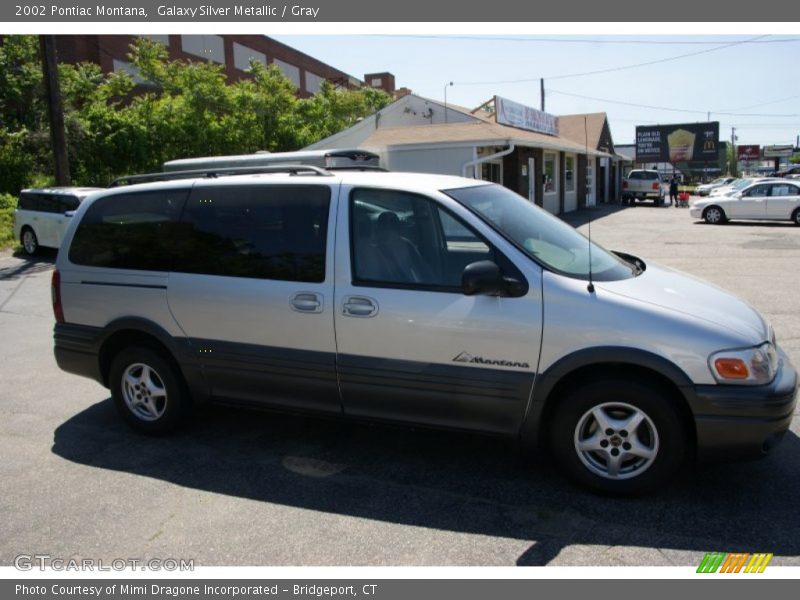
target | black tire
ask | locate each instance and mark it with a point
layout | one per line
(159, 402)
(661, 432)
(29, 241)
(714, 215)
(796, 216)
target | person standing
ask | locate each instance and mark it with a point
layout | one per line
(673, 191)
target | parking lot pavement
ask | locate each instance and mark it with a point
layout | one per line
(241, 487)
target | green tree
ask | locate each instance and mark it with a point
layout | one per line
(332, 110)
(21, 86)
(122, 123)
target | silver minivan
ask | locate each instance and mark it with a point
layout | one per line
(412, 298)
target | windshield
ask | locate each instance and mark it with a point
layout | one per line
(740, 184)
(545, 238)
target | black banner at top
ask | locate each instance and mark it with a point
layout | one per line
(463, 11)
(677, 143)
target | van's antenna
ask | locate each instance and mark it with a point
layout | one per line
(589, 287)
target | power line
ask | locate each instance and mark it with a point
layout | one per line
(634, 104)
(621, 68)
(764, 103)
(656, 42)
(671, 109)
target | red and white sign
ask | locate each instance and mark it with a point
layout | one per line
(748, 153)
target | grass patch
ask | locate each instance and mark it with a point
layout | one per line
(7, 205)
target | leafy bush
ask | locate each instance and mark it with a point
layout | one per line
(7, 205)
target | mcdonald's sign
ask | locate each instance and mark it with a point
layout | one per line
(677, 143)
(735, 562)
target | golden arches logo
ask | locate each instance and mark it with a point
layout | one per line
(735, 562)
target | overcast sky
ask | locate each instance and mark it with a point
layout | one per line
(755, 76)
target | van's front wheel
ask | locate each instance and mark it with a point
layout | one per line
(618, 437)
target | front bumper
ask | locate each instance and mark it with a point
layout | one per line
(741, 422)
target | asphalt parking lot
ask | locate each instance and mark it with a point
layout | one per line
(250, 488)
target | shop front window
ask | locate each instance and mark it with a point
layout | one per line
(550, 173)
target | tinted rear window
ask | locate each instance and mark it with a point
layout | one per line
(68, 203)
(129, 231)
(28, 202)
(48, 202)
(264, 232)
(645, 175)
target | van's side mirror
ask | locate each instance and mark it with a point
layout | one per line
(486, 279)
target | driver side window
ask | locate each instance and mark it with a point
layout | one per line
(399, 239)
(759, 191)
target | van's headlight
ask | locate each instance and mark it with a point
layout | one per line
(748, 366)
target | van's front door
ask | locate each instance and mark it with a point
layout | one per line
(411, 346)
(252, 288)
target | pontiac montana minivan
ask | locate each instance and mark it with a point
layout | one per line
(422, 299)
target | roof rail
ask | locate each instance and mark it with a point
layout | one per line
(218, 172)
(359, 168)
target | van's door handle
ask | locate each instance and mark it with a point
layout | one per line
(307, 302)
(359, 306)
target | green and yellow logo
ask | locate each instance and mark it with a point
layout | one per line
(737, 562)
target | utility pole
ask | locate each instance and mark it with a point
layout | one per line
(733, 151)
(55, 108)
(446, 85)
(541, 89)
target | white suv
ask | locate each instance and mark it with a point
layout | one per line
(423, 299)
(42, 215)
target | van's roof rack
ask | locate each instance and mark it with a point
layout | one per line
(219, 172)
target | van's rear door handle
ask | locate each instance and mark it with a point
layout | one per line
(307, 302)
(359, 306)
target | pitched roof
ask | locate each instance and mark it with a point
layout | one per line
(479, 131)
(572, 128)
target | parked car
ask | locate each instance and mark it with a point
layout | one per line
(42, 215)
(414, 298)
(771, 200)
(792, 170)
(705, 188)
(642, 184)
(738, 185)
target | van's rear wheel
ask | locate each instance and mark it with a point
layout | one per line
(618, 436)
(29, 241)
(147, 390)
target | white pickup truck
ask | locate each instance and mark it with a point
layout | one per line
(641, 184)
